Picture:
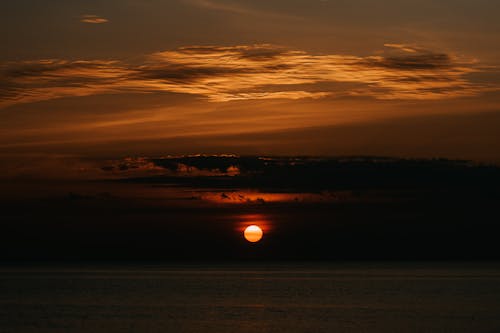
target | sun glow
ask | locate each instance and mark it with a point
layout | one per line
(253, 233)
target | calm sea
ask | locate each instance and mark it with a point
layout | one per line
(361, 297)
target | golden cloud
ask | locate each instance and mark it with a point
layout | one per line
(93, 19)
(222, 74)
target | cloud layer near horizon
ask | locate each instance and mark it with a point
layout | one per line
(222, 74)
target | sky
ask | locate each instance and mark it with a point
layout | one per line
(114, 79)
(196, 208)
(160, 129)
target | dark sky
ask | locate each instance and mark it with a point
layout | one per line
(196, 208)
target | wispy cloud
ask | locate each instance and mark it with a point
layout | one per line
(215, 5)
(238, 9)
(223, 74)
(404, 47)
(94, 19)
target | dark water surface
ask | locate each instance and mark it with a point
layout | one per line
(361, 297)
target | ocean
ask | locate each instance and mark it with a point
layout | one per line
(253, 297)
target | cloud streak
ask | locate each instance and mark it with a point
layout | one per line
(222, 74)
(238, 9)
(93, 19)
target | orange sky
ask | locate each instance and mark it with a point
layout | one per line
(89, 79)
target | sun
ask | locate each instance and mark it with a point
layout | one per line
(253, 233)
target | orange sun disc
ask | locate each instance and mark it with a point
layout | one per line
(253, 233)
